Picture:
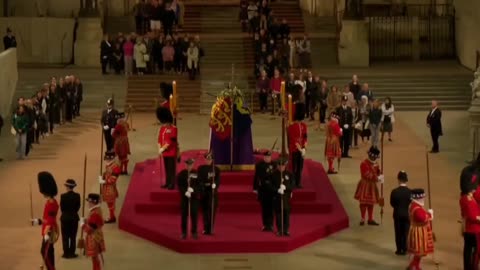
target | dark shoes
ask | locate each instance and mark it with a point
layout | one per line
(280, 234)
(400, 253)
(373, 223)
(69, 256)
(362, 223)
(331, 172)
(267, 229)
(205, 232)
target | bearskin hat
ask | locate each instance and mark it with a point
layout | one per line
(164, 115)
(374, 152)
(166, 90)
(47, 184)
(418, 193)
(469, 178)
(299, 112)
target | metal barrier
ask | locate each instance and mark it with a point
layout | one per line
(430, 34)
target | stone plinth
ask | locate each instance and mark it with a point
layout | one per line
(353, 48)
(87, 46)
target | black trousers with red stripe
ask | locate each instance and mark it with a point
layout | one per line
(48, 256)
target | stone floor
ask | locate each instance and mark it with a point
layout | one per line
(355, 248)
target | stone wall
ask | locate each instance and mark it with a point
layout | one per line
(50, 8)
(8, 80)
(467, 25)
(42, 40)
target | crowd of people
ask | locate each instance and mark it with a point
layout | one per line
(158, 15)
(56, 103)
(152, 53)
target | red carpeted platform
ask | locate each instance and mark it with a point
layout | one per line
(154, 213)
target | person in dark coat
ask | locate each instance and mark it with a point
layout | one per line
(434, 122)
(283, 184)
(78, 94)
(345, 121)
(69, 205)
(209, 175)
(109, 121)
(190, 188)
(106, 52)
(9, 40)
(400, 200)
(263, 187)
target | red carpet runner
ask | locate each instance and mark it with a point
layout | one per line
(154, 213)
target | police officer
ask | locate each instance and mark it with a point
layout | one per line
(283, 184)
(190, 190)
(263, 187)
(69, 204)
(209, 175)
(108, 122)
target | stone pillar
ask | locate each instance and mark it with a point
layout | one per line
(415, 39)
(89, 8)
(354, 49)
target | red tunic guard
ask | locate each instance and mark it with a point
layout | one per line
(471, 230)
(297, 142)
(168, 145)
(332, 143)
(122, 146)
(109, 187)
(420, 235)
(94, 240)
(367, 190)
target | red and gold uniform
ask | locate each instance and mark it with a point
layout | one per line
(109, 188)
(167, 142)
(49, 229)
(471, 230)
(94, 241)
(332, 143)
(420, 235)
(297, 142)
(122, 146)
(367, 190)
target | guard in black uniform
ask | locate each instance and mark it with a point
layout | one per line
(400, 199)
(283, 184)
(210, 178)
(190, 191)
(69, 205)
(263, 187)
(109, 121)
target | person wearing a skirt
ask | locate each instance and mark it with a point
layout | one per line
(303, 50)
(363, 124)
(388, 117)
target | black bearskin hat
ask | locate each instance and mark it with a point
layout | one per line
(418, 193)
(373, 152)
(164, 115)
(166, 90)
(299, 112)
(93, 198)
(47, 184)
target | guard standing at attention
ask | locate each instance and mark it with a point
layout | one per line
(48, 188)
(297, 142)
(209, 175)
(263, 187)
(283, 184)
(69, 205)
(109, 121)
(109, 184)
(400, 199)
(92, 226)
(190, 189)
(168, 145)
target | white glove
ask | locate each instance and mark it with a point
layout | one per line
(190, 190)
(431, 212)
(105, 127)
(345, 126)
(35, 221)
(381, 178)
(160, 151)
(46, 237)
(82, 221)
(283, 187)
(303, 151)
(101, 181)
(280, 191)
(214, 186)
(188, 194)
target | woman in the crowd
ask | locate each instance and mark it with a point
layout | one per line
(192, 60)
(177, 57)
(292, 58)
(139, 53)
(364, 111)
(52, 107)
(157, 52)
(322, 98)
(388, 117)
(303, 50)
(128, 56)
(263, 86)
(375, 120)
(20, 124)
(333, 99)
(357, 126)
(351, 99)
(62, 100)
(168, 54)
(117, 58)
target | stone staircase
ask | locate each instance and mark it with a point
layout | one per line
(289, 10)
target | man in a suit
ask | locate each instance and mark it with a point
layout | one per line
(69, 204)
(109, 121)
(345, 121)
(434, 122)
(106, 52)
(400, 200)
